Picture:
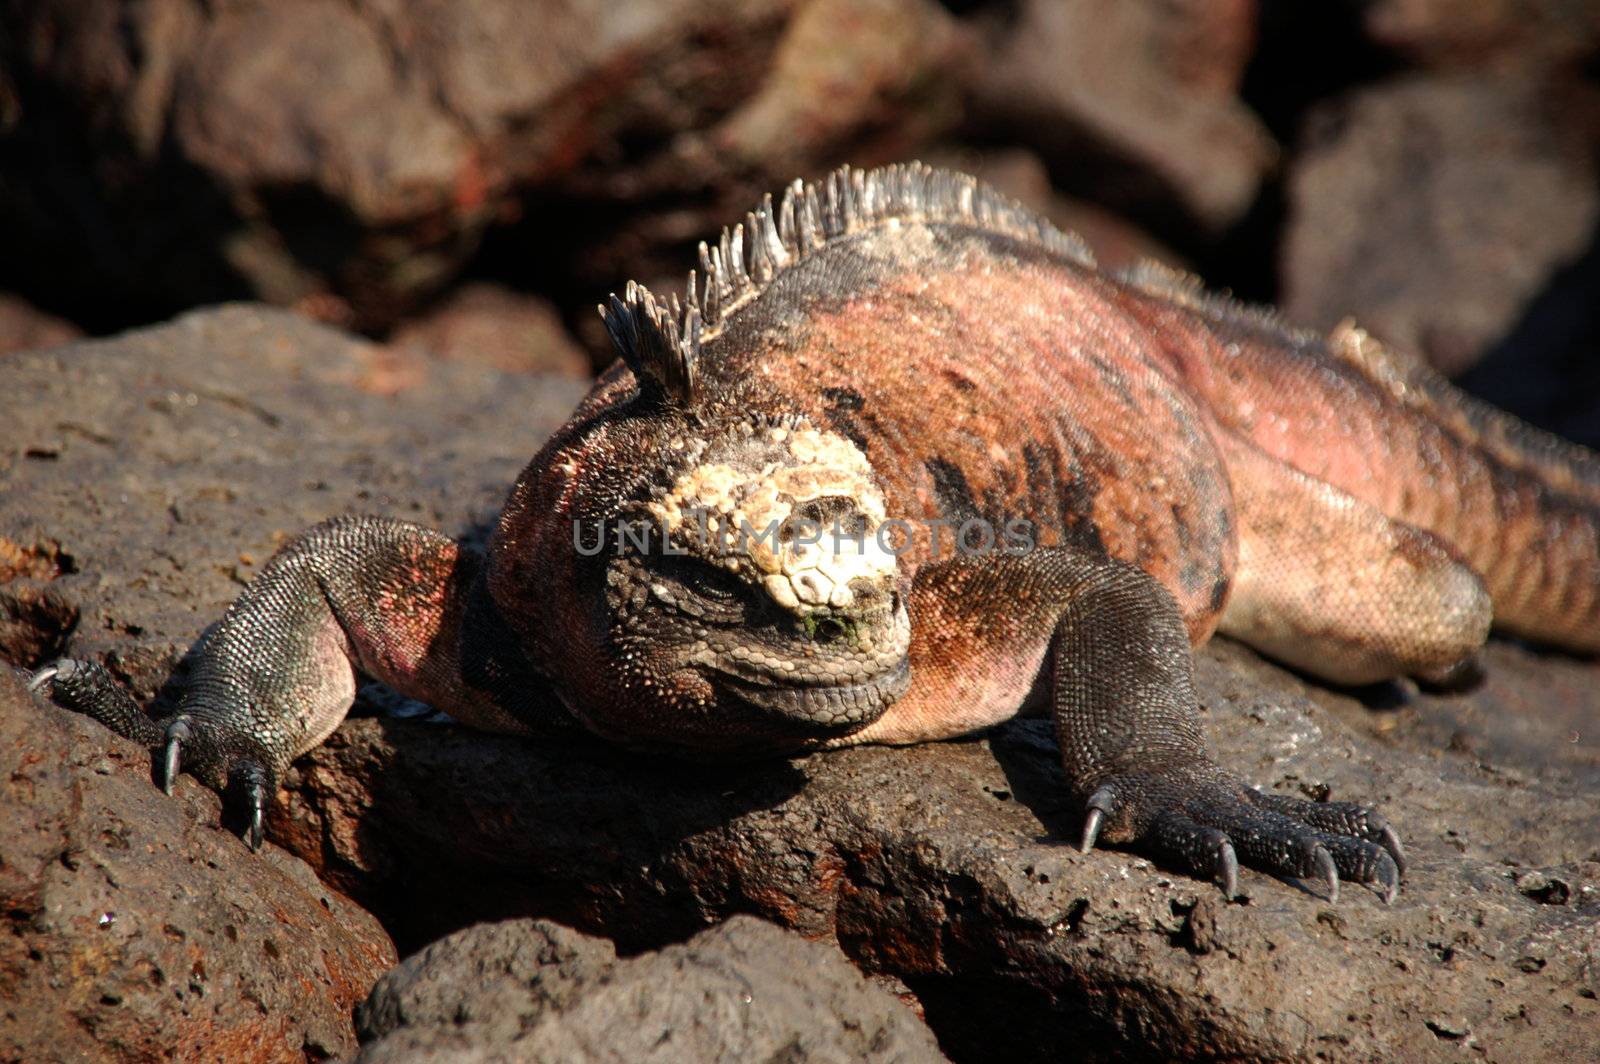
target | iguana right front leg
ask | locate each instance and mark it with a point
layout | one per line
(1123, 703)
(278, 673)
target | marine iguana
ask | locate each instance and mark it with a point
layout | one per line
(1120, 465)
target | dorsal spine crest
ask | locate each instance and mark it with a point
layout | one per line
(661, 341)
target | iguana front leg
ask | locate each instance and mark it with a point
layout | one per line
(1123, 703)
(278, 673)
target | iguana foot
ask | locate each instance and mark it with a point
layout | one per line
(223, 759)
(1207, 822)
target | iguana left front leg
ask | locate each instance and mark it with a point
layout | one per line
(394, 600)
(1122, 699)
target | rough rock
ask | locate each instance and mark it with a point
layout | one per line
(941, 866)
(133, 928)
(840, 82)
(1134, 104)
(143, 478)
(1435, 209)
(217, 437)
(23, 326)
(536, 991)
(1473, 34)
(857, 81)
(496, 327)
(309, 147)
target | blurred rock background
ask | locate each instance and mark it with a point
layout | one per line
(470, 177)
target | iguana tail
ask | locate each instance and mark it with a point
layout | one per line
(1522, 506)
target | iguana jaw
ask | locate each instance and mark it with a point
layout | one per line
(741, 672)
(831, 709)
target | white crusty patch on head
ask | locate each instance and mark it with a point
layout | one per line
(737, 513)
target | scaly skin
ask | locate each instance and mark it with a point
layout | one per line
(907, 347)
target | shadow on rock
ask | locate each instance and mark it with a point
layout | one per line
(435, 827)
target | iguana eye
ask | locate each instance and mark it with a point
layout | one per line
(712, 583)
(709, 584)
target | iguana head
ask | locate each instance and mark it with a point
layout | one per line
(761, 603)
(740, 591)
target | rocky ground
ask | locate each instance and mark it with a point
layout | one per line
(145, 477)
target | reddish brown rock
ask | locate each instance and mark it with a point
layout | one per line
(1435, 209)
(858, 81)
(133, 928)
(1135, 102)
(1471, 34)
(495, 327)
(23, 326)
(308, 94)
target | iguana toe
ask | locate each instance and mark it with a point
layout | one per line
(1387, 878)
(86, 687)
(1203, 851)
(1329, 873)
(1365, 846)
(1397, 852)
(41, 679)
(258, 785)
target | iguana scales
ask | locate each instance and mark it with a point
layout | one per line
(904, 350)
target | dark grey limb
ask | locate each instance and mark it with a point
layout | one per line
(1127, 723)
(278, 672)
(1122, 699)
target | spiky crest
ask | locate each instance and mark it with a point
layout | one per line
(661, 342)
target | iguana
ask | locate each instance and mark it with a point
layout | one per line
(1119, 465)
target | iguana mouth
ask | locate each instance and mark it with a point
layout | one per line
(833, 706)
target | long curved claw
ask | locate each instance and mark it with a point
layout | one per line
(1100, 803)
(1228, 871)
(41, 679)
(1391, 842)
(178, 733)
(1329, 872)
(1091, 830)
(257, 795)
(1387, 877)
